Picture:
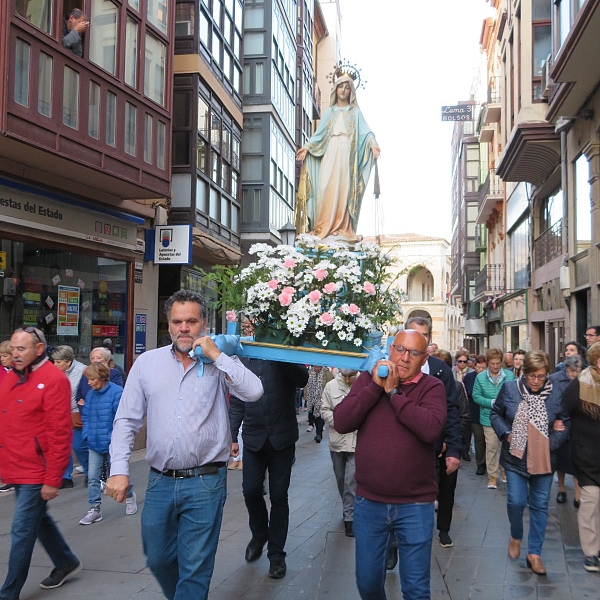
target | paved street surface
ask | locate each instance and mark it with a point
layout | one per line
(320, 557)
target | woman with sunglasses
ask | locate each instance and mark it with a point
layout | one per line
(461, 368)
(523, 417)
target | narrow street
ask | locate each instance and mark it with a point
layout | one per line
(320, 557)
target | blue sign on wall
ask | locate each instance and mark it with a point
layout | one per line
(140, 334)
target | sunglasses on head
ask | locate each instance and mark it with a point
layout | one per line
(33, 331)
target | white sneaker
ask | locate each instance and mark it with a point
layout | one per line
(80, 469)
(92, 516)
(131, 505)
(309, 428)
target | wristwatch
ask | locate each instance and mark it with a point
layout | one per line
(392, 392)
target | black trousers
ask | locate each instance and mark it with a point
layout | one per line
(446, 487)
(273, 527)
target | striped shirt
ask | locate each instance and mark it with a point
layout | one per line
(187, 415)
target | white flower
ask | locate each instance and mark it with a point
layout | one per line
(320, 335)
(342, 335)
(357, 342)
(325, 342)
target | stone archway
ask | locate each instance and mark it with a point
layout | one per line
(420, 286)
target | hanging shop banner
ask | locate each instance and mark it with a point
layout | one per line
(173, 245)
(460, 112)
(68, 310)
(140, 333)
(25, 206)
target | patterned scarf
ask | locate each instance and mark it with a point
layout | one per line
(313, 392)
(589, 392)
(530, 429)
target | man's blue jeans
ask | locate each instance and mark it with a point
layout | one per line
(30, 522)
(536, 489)
(374, 525)
(181, 522)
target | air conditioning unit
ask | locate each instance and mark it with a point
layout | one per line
(183, 28)
(546, 76)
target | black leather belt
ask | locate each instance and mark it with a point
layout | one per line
(207, 469)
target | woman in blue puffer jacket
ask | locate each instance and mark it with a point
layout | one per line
(523, 417)
(98, 413)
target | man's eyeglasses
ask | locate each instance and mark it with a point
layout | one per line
(531, 377)
(414, 353)
(590, 335)
(33, 331)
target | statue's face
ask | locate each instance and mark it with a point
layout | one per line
(343, 91)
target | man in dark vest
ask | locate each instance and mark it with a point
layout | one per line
(269, 433)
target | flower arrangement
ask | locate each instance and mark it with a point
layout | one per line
(332, 296)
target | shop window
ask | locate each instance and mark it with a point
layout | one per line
(130, 128)
(161, 132)
(103, 35)
(131, 52)
(37, 12)
(22, 64)
(157, 15)
(94, 111)
(71, 98)
(154, 72)
(45, 85)
(111, 119)
(149, 122)
(74, 298)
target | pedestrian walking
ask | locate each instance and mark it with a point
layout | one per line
(341, 445)
(523, 417)
(35, 444)
(185, 403)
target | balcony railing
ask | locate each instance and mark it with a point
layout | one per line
(491, 187)
(548, 246)
(493, 92)
(490, 280)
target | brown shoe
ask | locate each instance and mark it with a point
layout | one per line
(232, 466)
(514, 548)
(492, 483)
(534, 562)
(240, 465)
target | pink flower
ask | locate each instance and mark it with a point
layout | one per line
(320, 274)
(273, 284)
(369, 288)
(353, 309)
(231, 316)
(330, 288)
(289, 290)
(314, 296)
(289, 263)
(326, 318)
(285, 299)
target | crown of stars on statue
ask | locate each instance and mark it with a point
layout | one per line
(344, 68)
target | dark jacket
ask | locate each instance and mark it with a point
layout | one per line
(72, 40)
(585, 433)
(273, 416)
(84, 387)
(503, 413)
(452, 433)
(469, 382)
(465, 413)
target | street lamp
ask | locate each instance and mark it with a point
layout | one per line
(288, 234)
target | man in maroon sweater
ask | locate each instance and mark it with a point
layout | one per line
(398, 419)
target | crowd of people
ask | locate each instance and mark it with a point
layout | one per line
(523, 422)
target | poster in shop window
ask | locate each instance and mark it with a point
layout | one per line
(68, 310)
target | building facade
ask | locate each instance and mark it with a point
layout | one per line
(423, 274)
(85, 160)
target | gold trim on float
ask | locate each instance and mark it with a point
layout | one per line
(303, 348)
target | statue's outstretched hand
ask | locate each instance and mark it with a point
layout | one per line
(376, 152)
(301, 154)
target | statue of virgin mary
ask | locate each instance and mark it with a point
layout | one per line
(337, 164)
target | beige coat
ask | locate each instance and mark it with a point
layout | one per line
(335, 391)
